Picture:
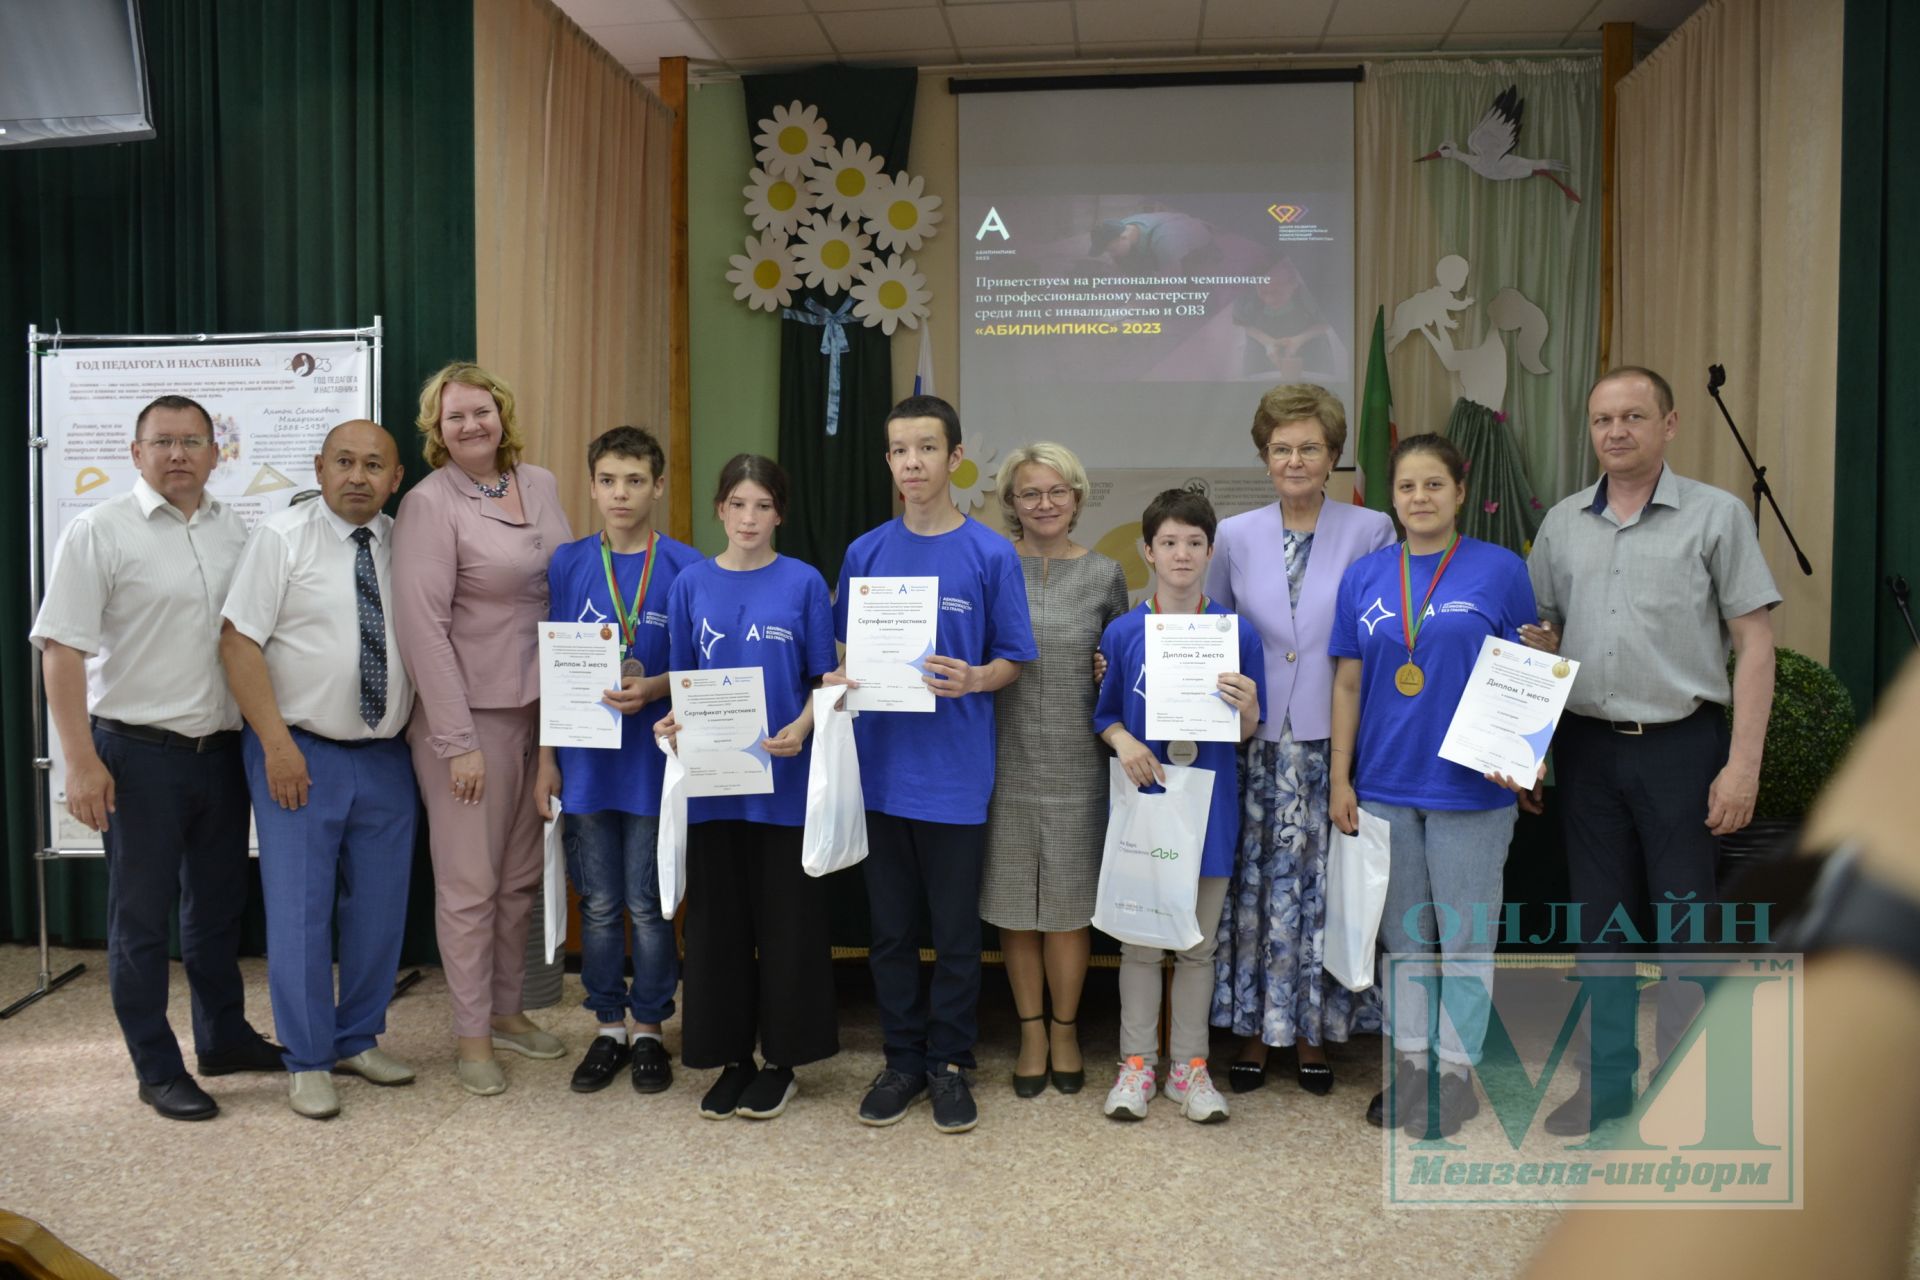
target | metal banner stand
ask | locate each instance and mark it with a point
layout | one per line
(43, 851)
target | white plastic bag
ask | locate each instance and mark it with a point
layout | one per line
(1357, 868)
(1150, 872)
(553, 885)
(670, 848)
(836, 832)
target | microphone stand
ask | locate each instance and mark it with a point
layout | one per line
(1897, 584)
(1717, 378)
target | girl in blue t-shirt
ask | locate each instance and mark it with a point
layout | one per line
(759, 968)
(1407, 629)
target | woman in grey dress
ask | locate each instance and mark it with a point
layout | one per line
(1048, 822)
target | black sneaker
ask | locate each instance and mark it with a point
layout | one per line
(723, 1099)
(605, 1057)
(769, 1093)
(1458, 1104)
(953, 1109)
(652, 1069)
(1410, 1094)
(889, 1096)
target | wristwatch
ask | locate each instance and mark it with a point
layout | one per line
(1830, 900)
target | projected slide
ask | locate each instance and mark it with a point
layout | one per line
(1137, 265)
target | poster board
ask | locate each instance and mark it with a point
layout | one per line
(272, 397)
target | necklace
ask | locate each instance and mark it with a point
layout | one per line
(497, 489)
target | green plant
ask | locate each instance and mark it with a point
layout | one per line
(1809, 731)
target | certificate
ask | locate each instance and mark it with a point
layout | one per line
(722, 713)
(579, 662)
(891, 626)
(1509, 711)
(1186, 655)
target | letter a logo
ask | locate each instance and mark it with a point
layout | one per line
(992, 223)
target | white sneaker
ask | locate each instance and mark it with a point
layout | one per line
(1131, 1091)
(1189, 1085)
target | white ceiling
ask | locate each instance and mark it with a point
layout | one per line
(756, 35)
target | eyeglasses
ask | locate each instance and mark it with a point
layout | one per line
(1030, 498)
(167, 444)
(1308, 453)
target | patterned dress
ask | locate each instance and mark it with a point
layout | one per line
(1268, 979)
(1048, 823)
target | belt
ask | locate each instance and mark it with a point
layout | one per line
(167, 738)
(1640, 728)
(351, 744)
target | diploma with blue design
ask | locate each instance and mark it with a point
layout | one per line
(1511, 706)
(1187, 653)
(892, 624)
(579, 662)
(722, 714)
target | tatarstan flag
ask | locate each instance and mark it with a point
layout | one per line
(1377, 434)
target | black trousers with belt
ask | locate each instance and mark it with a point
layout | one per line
(1634, 809)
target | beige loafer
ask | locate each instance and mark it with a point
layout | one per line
(311, 1094)
(482, 1077)
(376, 1065)
(532, 1044)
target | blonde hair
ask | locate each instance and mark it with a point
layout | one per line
(468, 374)
(1043, 453)
(1300, 402)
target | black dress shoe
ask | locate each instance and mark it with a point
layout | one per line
(1457, 1104)
(261, 1054)
(1409, 1094)
(605, 1057)
(1581, 1114)
(1315, 1077)
(180, 1098)
(652, 1068)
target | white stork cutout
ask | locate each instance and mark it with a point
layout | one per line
(1489, 151)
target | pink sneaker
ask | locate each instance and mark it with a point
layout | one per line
(1131, 1091)
(1189, 1085)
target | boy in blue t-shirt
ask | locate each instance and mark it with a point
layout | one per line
(610, 800)
(1177, 530)
(927, 777)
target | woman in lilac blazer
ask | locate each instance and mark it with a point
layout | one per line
(1279, 568)
(470, 552)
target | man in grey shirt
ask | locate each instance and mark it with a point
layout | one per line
(1646, 579)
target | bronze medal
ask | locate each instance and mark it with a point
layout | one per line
(1409, 679)
(633, 667)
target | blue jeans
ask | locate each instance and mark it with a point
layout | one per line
(610, 859)
(1458, 858)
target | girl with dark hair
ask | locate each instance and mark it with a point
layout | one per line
(1407, 630)
(758, 964)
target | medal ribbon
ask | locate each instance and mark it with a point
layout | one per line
(629, 619)
(1153, 603)
(1410, 622)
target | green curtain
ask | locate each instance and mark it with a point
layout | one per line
(1877, 421)
(313, 167)
(1501, 506)
(841, 479)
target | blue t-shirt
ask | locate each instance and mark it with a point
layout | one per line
(938, 766)
(628, 780)
(1396, 757)
(1123, 700)
(776, 618)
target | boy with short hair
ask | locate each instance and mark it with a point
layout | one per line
(1177, 529)
(611, 799)
(927, 777)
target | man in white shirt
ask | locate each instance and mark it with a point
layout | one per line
(309, 651)
(129, 639)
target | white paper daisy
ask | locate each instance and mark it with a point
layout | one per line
(775, 203)
(899, 216)
(763, 277)
(843, 178)
(973, 482)
(891, 293)
(828, 252)
(791, 139)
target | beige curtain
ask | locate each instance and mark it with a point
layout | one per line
(1727, 207)
(571, 236)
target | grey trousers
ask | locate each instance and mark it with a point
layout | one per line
(1192, 987)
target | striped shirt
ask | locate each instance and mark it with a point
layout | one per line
(137, 587)
(1643, 604)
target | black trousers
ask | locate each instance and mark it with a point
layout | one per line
(759, 962)
(178, 833)
(915, 867)
(1634, 809)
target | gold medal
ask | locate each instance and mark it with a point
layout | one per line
(1562, 669)
(1409, 679)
